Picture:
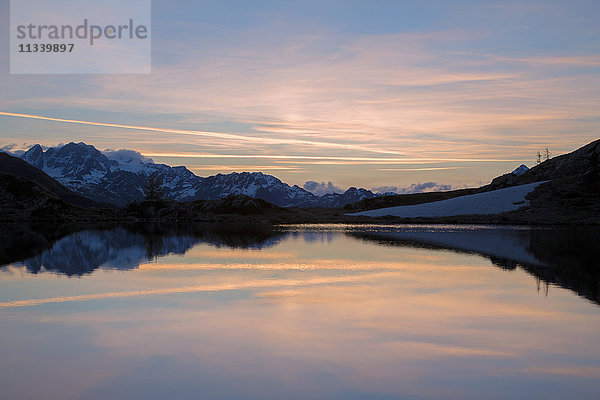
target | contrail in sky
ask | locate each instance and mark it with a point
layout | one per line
(230, 136)
(219, 135)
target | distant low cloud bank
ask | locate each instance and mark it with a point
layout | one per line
(321, 188)
(414, 188)
(125, 155)
(11, 149)
(17, 150)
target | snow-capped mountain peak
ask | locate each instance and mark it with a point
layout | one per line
(119, 177)
(520, 170)
(89, 172)
(35, 156)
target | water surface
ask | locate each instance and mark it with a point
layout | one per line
(305, 312)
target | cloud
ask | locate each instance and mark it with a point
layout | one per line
(322, 188)
(127, 156)
(385, 189)
(207, 134)
(414, 188)
(414, 95)
(8, 148)
(323, 91)
(18, 150)
(58, 146)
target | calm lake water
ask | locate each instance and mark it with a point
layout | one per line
(304, 312)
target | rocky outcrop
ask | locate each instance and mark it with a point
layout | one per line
(22, 199)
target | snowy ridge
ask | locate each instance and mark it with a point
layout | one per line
(89, 172)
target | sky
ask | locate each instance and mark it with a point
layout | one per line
(373, 94)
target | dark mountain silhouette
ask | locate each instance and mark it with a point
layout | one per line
(571, 195)
(18, 167)
(583, 162)
(23, 199)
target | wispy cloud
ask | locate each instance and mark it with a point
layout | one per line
(241, 167)
(417, 169)
(362, 160)
(218, 135)
(479, 91)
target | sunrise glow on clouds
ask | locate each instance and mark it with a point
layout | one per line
(393, 93)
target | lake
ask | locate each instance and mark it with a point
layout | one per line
(300, 312)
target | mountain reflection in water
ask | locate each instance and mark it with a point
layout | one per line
(299, 312)
(125, 248)
(566, 257)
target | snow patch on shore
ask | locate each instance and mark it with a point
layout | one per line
(487, 203)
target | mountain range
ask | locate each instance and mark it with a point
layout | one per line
(90, 173)
(568, 192)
